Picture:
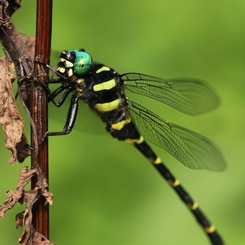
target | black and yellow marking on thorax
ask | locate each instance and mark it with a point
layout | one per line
(80, 82)
(103, 68)
(106, 88)
(108, 106)
(107, 85)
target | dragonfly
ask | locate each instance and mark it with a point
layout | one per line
(103, 89)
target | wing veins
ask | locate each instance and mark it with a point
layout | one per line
(191, 149)
(190, 96)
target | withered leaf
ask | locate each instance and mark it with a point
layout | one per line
(33, 238)
(29, 235)
(23, 149)
(10, 118)
(39, 239)
(18, 194)
(47, 194)
(19, 219)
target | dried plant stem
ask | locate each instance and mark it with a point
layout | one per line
(39, 111)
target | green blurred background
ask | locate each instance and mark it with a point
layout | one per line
(105, 191)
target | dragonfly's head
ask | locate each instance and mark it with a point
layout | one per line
(74, 62)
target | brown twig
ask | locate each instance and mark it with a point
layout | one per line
(39, 111)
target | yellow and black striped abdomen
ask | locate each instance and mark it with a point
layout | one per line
(193, 206)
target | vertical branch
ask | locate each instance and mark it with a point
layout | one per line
(39, 111)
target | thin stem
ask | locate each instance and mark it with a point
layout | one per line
(39, 103)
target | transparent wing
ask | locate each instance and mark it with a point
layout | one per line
(191, 149)
(190, 96)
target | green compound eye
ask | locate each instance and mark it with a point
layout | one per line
(82, 62)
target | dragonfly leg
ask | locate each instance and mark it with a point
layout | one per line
(70, 119)
(53, 95)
